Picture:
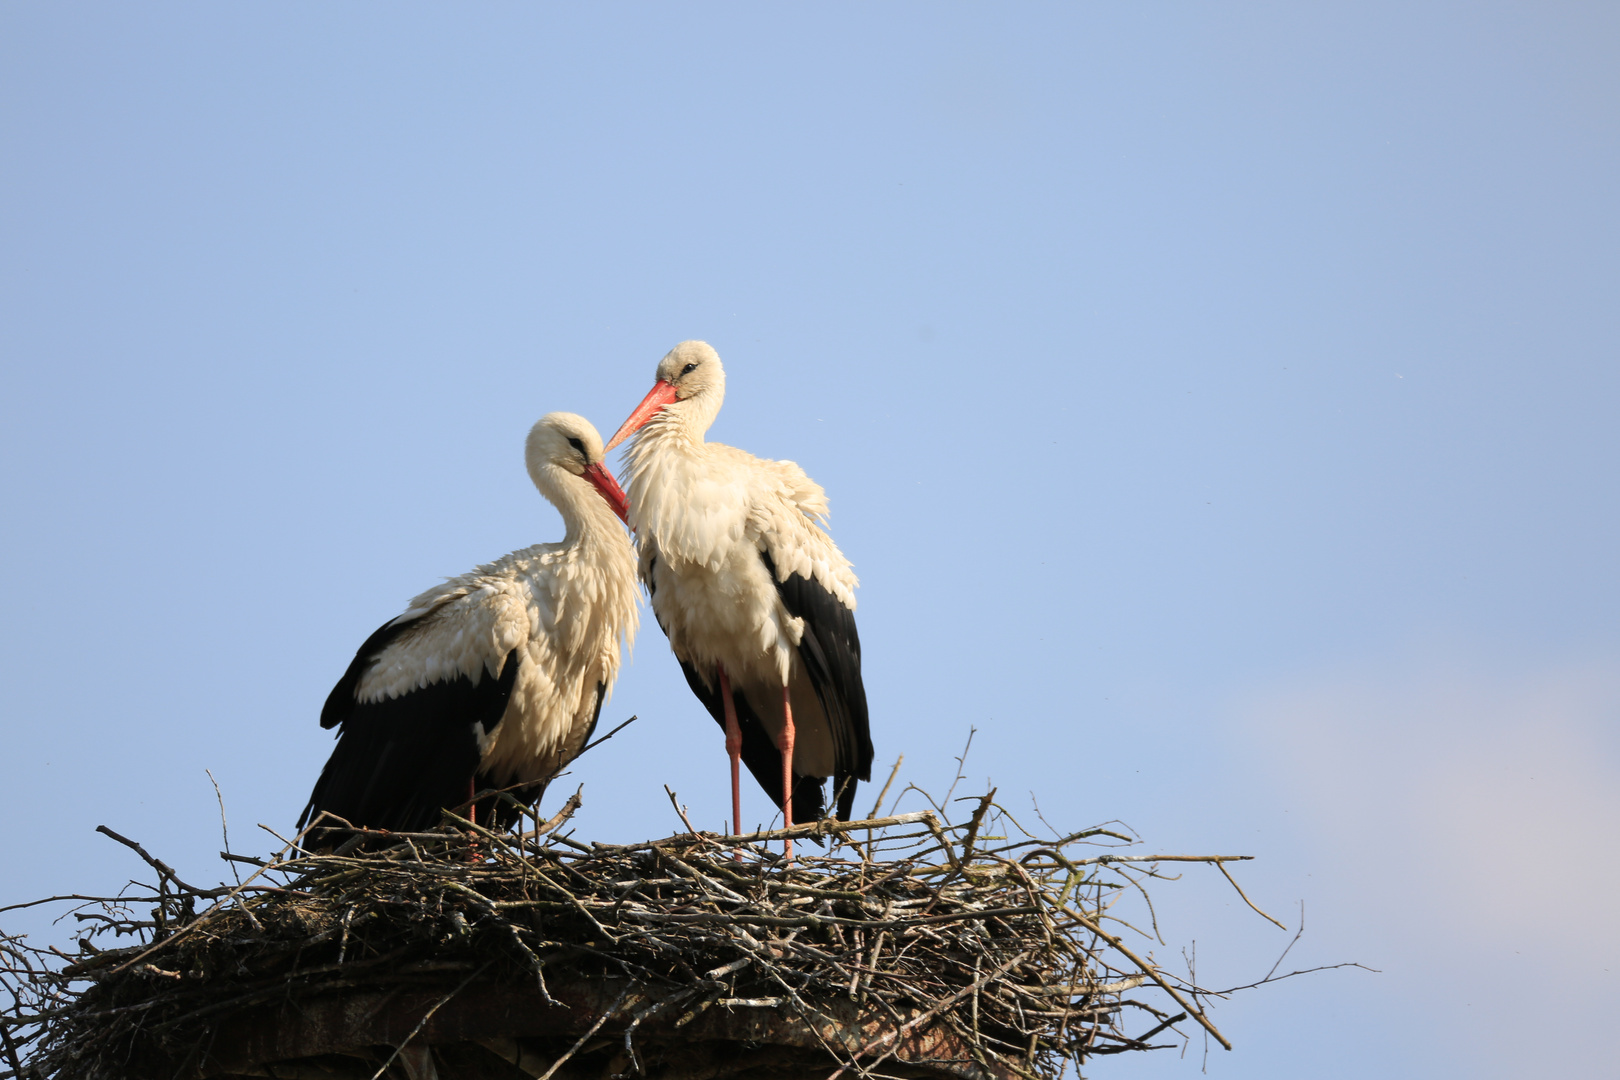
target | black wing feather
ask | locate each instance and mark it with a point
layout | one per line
(831, 653)
(399, 761)
(340, 702)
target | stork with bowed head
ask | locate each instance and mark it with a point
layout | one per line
(494, 679)
(757, 601)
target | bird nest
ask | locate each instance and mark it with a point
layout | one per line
(904, 946)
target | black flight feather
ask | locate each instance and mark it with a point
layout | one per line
(399, 761)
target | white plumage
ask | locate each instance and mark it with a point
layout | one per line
(496, 677)
(749, 588)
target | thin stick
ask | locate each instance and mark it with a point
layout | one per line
(691, 831)
(66, 896)
(974, 823)
(160, 866)
(568, 810)
(420, 1024)
(608, 736)
(1290, 975)
(572, 1050)
(1153, 973)
(894, 772)
(1246, 900)
(1104, 860)
(1291, 944)
(830, 827)
(224, 829)
(11, 1050)
(961, 767)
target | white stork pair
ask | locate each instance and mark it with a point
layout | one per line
(497, 677)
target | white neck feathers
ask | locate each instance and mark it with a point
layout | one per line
(587, 517)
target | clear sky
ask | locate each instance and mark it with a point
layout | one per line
(1218, 402)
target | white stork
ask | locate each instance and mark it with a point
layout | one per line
(757, 601)
(495, 678)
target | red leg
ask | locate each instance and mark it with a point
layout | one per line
(733, 750)
(472, 807)
(787, 770)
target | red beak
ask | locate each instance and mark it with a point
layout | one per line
(609, 487)
(660, 395)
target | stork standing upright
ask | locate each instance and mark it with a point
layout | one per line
(495, 678)
(757, 601)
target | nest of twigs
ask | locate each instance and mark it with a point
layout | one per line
(905, 946)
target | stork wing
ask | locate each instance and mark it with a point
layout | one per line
(816, 585)
(416, 709)
(830, 650)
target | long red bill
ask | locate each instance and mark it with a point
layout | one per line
(609, 487)
(660, 395)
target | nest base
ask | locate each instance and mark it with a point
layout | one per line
(488, 1031)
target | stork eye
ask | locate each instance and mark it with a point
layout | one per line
(688, 369)
(576, 444)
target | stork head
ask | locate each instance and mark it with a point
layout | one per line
(690, 371)
(567, 441)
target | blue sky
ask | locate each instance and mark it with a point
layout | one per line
(1217, 401)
